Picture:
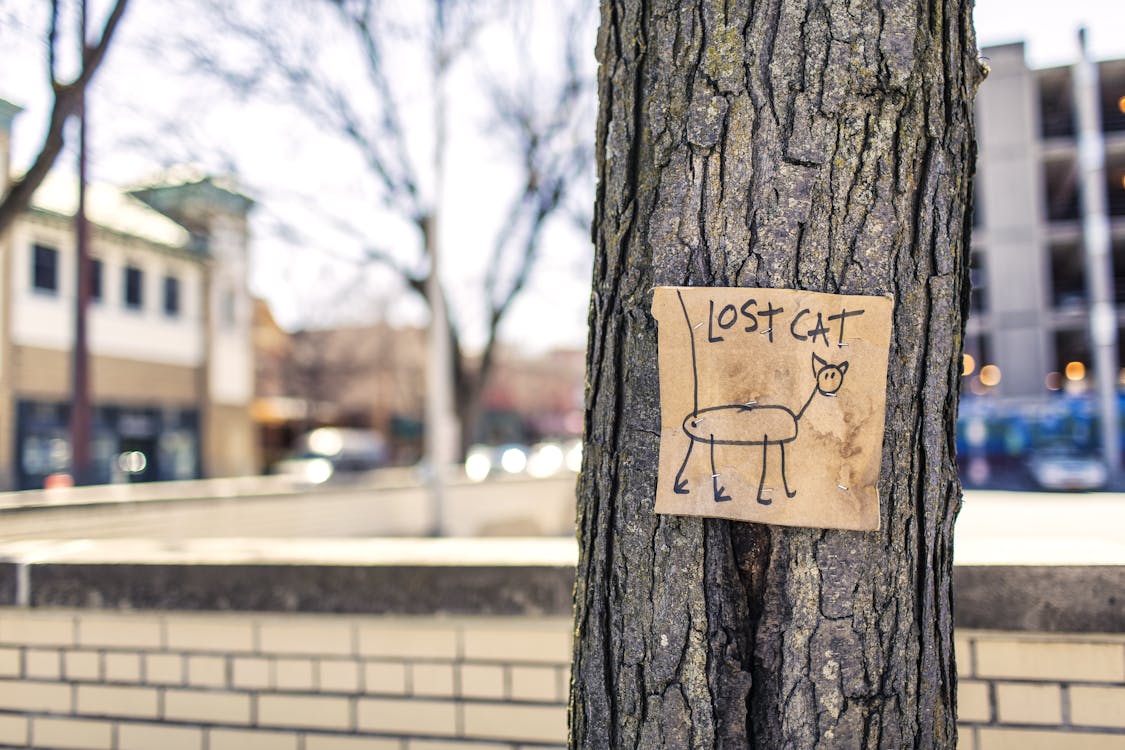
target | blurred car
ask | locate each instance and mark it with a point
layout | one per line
(328, 452)
(1063, 468)
(483, 461)
(540, 461)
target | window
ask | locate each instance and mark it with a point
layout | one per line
(95, 280)
(45, 269)
(134, 288)
(171, 296)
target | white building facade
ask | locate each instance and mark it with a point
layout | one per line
(169, 323)
(1030, 302)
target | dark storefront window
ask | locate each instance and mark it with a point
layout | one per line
(171, 296)
(45, 269)
(130, 444)
(95, 280)
(134, 288)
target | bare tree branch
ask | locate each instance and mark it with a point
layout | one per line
(536, 119)
(67, 96)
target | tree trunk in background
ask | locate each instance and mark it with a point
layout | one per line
(821, 146)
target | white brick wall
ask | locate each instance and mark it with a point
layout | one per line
(188, 681)
(1032, 691)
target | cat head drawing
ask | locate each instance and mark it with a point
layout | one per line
(829, 377)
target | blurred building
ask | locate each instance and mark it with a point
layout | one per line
(373, 377)
(1029, 317)
(367, 376)
(171, 368)
(543, 392)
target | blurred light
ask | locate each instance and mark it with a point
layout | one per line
(59, 450)
(1121, 376)
(477, 466)
(976, 387)
(1121, 105)
(977, 432)
(1053, 380)
(574, 457)
(132, 462)
(318, 471)
(545, 460)
(990, 375)
(513, 460)
(979, 470)
(968, 365)
(1075, 371)
(58, 480)
(326, 441)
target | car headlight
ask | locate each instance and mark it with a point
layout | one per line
(477, 466)
(318, 471)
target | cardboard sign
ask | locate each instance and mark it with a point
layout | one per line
(772, 405)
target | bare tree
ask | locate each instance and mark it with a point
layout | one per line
(537, 121)
(66, 97)
(823, 146)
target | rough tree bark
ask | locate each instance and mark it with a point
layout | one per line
(823, 145)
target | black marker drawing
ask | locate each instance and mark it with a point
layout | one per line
(750, 423)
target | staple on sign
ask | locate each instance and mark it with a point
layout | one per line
(697, 325)
(845, 489)
(768, 330)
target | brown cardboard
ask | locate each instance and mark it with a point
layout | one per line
(797, 378)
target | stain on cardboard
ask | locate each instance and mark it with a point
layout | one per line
(772, 404)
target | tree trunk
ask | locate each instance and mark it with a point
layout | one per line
(823, 146)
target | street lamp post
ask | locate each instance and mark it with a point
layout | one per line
(1096, 245)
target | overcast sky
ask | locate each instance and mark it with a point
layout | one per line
(553, 312)
(1050, 27)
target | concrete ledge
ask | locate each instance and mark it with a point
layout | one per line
(1061, 599)
(456, 577)
(376, 576)
(374, 589)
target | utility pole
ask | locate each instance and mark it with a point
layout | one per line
(80, 399)
(1096, 244)
(441, 424)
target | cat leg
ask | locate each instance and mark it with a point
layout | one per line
(679, 486)
(762, 479)
(784, 481)
(715, 488)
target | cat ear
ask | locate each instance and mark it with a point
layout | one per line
(818, 364)
(843, 367)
